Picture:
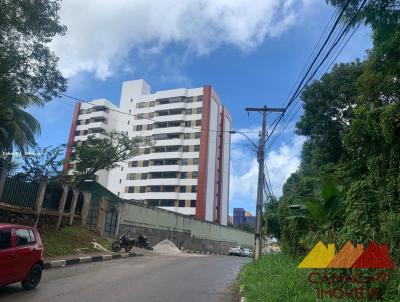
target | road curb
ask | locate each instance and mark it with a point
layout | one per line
(204, 253)
(86, 259)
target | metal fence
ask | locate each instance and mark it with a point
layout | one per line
(19, 193)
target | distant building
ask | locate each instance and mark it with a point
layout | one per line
(238, 216)
(241, 216)
(250, 220)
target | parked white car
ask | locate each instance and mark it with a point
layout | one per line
(247, 253)
(236, 251)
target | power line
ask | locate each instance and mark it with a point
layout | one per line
(300, 88)
(319, 52)
(269, 182)
(313, 51)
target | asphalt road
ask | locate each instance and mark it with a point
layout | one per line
(181, 278)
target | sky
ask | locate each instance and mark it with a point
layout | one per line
(251, 54)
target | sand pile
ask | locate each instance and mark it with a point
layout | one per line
(166, 247)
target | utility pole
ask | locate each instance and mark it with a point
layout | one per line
(260, 159)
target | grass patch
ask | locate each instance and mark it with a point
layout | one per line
(69, 240)
(276, 278)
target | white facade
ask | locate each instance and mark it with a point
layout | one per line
(166, 173)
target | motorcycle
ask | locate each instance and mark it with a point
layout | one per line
(143, 242)
(124, 242)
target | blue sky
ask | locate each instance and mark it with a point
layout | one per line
(251, 55)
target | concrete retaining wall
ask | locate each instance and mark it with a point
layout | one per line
(186, 232)
(47, 219)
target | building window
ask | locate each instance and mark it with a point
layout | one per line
(186, 136)
(196, 148)
(140, 116)
(188, 123)
(185, 149)
(151, 114)
(130, 111)
(176, 99)
(188, 111)
(199, 98)
(122, 168)
(131, 100)
(189, 99)
(146, 163)
(185, 162)
(152, 103)
(195, 161)
(141, 105)
(182, 189)
(193, 203)
(153, 202)
(139, 127)
(183, 175)
(129, 122)
(181, 203)
(198, 110)
(144, 176)
(150, 127)
(167, 203)
(147, 151)
(198, 123)
(194, 189)
(195, 174)
(131, 189)
(118, 194)
(131, 176)
(142, 189)
(197, 135)
(120, 181)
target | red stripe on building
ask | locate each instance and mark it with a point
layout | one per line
(72, 130)
(203, 156)
(220, 169)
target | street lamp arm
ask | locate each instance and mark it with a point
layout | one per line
(244, 134)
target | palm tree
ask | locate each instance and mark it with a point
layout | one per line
(18, 129)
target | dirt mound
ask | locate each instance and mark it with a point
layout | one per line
(166, 247)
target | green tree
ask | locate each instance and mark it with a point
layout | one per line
(42, 163)
(328, 109)
(102, 153)
(28, 68)
(271, 218)
(246, 227)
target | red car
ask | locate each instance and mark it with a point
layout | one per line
(21, 255)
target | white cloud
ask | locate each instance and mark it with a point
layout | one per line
(102, 34)
(281, 163)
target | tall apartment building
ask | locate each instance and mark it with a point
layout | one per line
(186, 169)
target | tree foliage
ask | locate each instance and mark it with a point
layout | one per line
(28, 68)
(42, 163)
(271, 218)
(352, 123)
(102, 153)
